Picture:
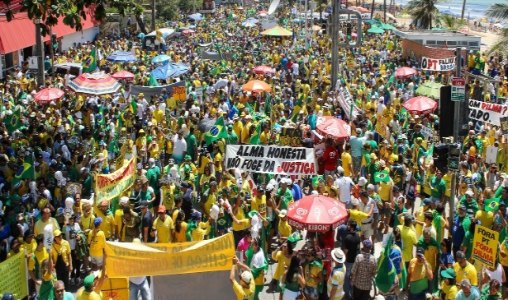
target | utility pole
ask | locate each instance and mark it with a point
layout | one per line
(39, 50)
(456, 110)
(306, 23)
(153, 15)
(335, 43)
(463, 9)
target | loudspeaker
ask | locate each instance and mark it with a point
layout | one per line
(446, 110)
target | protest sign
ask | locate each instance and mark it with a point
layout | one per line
(291, 137)
(14, 279)
(115, 288)
(109, 186)
(271, 159)
(434, 64)
(485, 245)
(131, 259)
(150, 91)
(487, 112)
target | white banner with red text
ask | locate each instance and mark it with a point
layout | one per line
(271, 159)
(436, 64)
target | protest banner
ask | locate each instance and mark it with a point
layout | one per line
(109, 186)
(129, 259)
(434, 64)
(271, 159)
(150, 91)
(487, 112)
(115, 288)
(179, 93)
(291, 137)
(485, 246)
(15, 277)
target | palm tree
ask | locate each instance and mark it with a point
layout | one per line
(423, 12)
(450, 22)
(499, 11)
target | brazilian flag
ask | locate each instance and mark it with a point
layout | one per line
(27, 170)
(13, 121)
(255, 138)
(218, 131)
(383, 176)
(386, 273)
(90, 63)
(491, 204)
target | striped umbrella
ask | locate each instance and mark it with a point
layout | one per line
(123, 75)
(98, 83)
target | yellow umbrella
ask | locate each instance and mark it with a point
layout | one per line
(277, 31)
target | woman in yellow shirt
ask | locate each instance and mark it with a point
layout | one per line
(448, 285)
(180, 228)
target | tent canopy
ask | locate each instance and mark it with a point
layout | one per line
(277, 31)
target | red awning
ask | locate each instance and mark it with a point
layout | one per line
(20, 32)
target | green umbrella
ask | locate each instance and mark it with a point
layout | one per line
(375, 29)
(430, 89)
(372, 22)
(386, 26)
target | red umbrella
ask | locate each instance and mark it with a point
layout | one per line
(47, 95)
(317, 213)
(404, 72)
(263, 70)
(420, 105)
(334, 128)
(187, 31)
(123, 75)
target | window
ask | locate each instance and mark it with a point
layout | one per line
(431, 42)
(441, 42)
(474, 44)
(452, 43)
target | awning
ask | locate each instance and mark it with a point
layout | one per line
(20, 32)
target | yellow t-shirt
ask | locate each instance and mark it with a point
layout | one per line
(408, 236)
(84, 295)
(97, 242)
(449, 291)
(385, 190)
(259, 204)
(282, 263)
(41, 256)
(358, 216)
(164, 229)
(284, 229)
(486, 218)
(39, 226)
(180, 236)
(108, 222)
(63, 249)
(244, 222)
(469, 272)
(346, 163)
(242, 293)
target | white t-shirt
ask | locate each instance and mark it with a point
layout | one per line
(258, 259)
(179, 146)
(344, 185)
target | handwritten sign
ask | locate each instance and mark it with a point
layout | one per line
(487, 112)
(485, 245)
(434, 64)
(291, 137)
(14, 278)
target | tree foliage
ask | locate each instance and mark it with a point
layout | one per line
(499, 11)
(423, 12)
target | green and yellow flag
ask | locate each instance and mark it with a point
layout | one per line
(255, 138)
(218, 131)
(386, 273)
(90, 63)
(27, 171)
(13, 121)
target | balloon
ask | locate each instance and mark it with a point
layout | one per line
(214, 212)
(69, 203)
(48, 236)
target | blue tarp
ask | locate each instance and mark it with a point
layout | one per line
(170, 70)
(121, 56)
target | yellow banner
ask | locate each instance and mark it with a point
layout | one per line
(130, 259)
(15, 277)
(485, 245)
(115, 288)
(109, 186)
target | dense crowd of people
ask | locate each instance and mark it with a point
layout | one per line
(50, 155)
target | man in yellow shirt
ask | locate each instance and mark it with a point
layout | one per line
(45, 220)
(245, 288)
(97, 243)
(108, 220)
(284, 228)
(356, 214)
(408, 237)
(164, 226)
(464, 269)
(35, 261)
(347, 161)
